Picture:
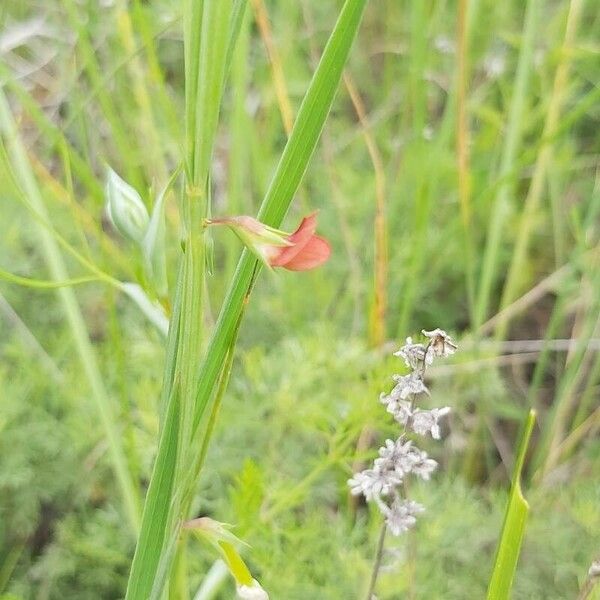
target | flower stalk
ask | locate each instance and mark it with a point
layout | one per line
(383, 482)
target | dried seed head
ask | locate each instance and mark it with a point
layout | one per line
(440, 344)
(374, 483)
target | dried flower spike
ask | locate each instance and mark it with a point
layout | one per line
(383, 482)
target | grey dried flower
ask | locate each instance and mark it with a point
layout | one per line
(406, 385)
(401, 515)
(403, 458)
(427, 421)
(412, 354)
(401, 410)
(440, 344)
(374, 483)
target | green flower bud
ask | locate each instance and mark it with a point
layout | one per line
(125, 208)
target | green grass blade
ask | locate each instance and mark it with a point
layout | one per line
(502, 203)
(509, 547)
(286, 180)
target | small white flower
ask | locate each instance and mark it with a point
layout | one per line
(412, 354)
(401, 515)
(251, 592)
(427, 421)
(407, 385)
(401, 409)
(373, 483)
(395, 456)
(393, 450)
(404, 458)
(422, 466)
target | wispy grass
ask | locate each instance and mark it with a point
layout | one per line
(23, 174)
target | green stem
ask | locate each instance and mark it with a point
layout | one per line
(377, 562)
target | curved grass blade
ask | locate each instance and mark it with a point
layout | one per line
(517, 509)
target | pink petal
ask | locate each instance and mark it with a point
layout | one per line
(299, 239)
(314, 253)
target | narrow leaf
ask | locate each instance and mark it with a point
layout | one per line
(517, 509)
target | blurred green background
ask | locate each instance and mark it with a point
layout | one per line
(458, 183)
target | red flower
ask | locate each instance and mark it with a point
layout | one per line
(298, 251)
(307, 250)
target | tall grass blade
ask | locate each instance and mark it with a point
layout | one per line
(509, 547)
(294, 162)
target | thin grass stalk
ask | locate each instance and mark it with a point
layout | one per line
(58, 272)
(154, 163)
(239, 197)
(155, 73)
(284, 104)
(515, 125)
(588, 397)
(420, 225)
(53, 134)
(377, 562)
(462, 150)
(123, 142)
(354, 267)
(540, 170)
(380, 270)
(417, 91)
(206, 30)
(283, 99)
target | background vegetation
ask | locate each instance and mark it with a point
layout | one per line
(457, 180)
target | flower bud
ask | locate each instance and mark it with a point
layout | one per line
(125, 208)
